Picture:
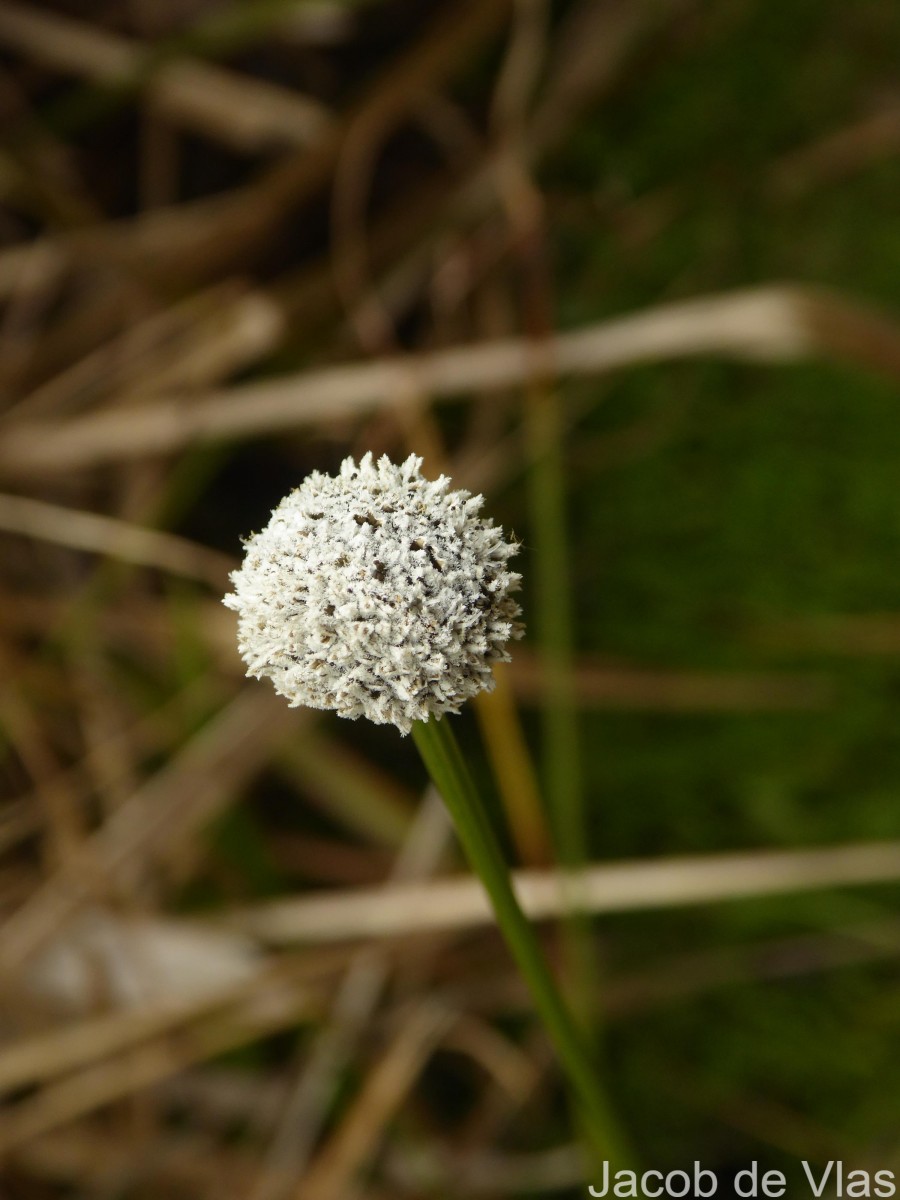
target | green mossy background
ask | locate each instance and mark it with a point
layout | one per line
(770, 495)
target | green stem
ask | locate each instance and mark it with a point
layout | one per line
(562, 751)
(447, 767)
(554, 622)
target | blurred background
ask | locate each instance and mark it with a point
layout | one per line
(630, 268)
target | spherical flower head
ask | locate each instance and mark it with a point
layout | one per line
(377, 593)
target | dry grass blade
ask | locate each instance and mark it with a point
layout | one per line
(776, 324)
(601, 685)
(198, 240)
(78, 1044)
(155, 824)
(595, 42)
(271, 1005)
(837, 155)
(874, 634)
(461, 903)
(767, 323)
(192, 345)
(503, 1060)
(88, 1157)
(514, 770)
(242, 112)
(114, 538)
(681, 975)
(60, 813)
(484, 1173)
(355, 1003)
(333, 1172)
(347, 786)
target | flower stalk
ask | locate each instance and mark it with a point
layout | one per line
(447, 767)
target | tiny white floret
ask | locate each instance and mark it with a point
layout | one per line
(377, 593)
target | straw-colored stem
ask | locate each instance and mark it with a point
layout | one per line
(447, 767)
(513, 770)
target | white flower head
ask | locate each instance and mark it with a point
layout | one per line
(377, 593)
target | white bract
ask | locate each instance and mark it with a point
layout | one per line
(377, 593)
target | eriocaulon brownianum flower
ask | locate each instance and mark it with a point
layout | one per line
(377, 593)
